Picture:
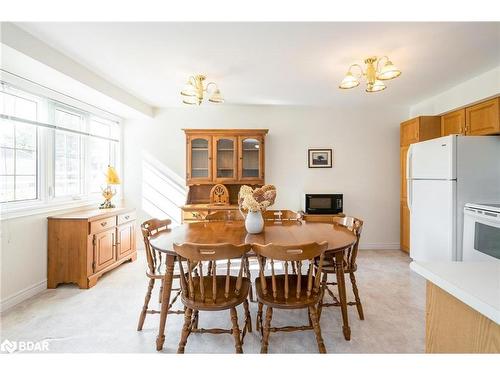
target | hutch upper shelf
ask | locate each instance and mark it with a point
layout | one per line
(228, 156)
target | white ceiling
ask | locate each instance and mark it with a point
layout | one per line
(276, 63)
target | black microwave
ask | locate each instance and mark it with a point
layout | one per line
(326, 204)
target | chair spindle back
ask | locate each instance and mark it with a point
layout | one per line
(298, 254)
(151, 228)
(355, 225)
(194, 281)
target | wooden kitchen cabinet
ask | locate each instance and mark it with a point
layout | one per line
(83, 245)
(483, 118)
(402, 158)
(453, 123)
(405, 226)
(229, 156)
(419, 129)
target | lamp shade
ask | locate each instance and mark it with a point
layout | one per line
(375, 86)
(112, 176)
(349, 81)
(188, 90)
(216, 97)
(388, 71)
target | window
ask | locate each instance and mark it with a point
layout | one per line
(68, 154)
(18, 150)
(50, 152)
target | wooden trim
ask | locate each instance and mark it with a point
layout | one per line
(226, 131)
(470, 104)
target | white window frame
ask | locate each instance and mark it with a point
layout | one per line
(46, 200)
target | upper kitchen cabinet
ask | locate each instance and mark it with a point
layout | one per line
(228, 156)
(453, 123)
(483, 118)
(420, 129)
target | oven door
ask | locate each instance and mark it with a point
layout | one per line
(481, 235)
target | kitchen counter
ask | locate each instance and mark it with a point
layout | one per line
(462, 306)
(477, 284)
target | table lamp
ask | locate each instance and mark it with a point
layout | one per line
(108, 193)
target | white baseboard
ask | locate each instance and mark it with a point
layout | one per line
(379, 246)
(22, 295)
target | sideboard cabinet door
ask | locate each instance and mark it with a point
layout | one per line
(104, 249)
(125, 239)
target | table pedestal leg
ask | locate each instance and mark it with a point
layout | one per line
(167, 288)
(339, 260)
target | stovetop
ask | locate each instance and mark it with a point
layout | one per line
(495, 207)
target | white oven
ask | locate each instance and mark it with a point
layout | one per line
(481, 240)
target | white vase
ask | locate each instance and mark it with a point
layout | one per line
(254, 222)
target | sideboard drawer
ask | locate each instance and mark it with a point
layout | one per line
(123, 218)
(102, 224)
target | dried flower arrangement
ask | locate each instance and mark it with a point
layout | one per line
(256, 199)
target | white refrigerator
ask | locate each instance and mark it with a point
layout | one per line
(442, 175)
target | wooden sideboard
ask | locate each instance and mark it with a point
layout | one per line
(197, 212)
(84, 245)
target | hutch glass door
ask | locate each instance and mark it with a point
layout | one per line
(251, 158)
(200, 157)
(225, 158)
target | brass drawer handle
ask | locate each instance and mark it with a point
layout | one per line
(104, 223)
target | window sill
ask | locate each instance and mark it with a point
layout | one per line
(40, 208)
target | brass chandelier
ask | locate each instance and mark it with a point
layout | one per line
(374, 73)
(194, 91)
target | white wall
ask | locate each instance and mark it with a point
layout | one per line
(365, 167)
(475, 89)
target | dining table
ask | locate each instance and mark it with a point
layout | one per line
(288, 232)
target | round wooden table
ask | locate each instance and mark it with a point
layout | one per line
(233, 232)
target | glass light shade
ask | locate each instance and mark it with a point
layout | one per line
(216, 97)
(191, 100)
(375, 86)
(188, 90)
(349, 81)
(388, 71)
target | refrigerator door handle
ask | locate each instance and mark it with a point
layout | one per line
(408, 181)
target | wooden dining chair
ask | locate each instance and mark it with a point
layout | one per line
(214, 292)
(280, 215)
(289, 290)
(156, 267)
(329, 266)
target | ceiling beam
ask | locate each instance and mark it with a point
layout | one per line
(24, 42)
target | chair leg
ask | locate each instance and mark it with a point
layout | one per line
(142, 317)
(186, 330)
(324, 280)
(258, 323)
(267, 330)
(317, 329)
(248, 318)
(356, 296)
(161, 292)
(195, 319)
(236, 331)
(249, 275)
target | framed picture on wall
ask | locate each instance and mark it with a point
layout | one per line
(320, 157)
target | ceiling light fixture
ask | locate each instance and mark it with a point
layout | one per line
(373, 72)
(193, 92)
